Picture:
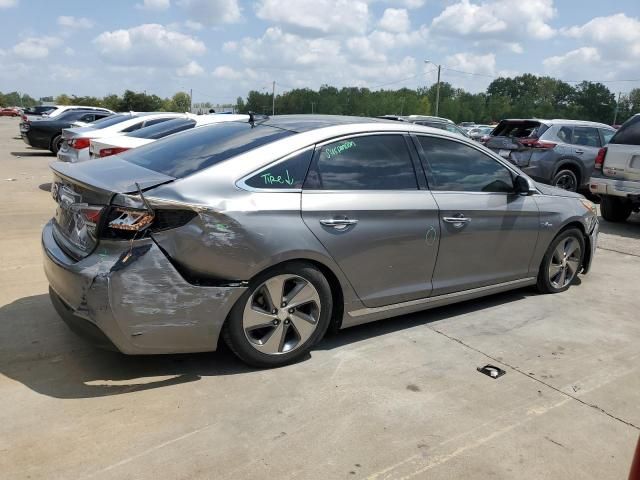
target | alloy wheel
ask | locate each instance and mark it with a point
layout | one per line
(566, 182)
(281, 314)
(565, 263)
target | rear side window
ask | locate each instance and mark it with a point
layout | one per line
(200, 148)
(287, 174)
(587, 136)
(110, 120)
(376, 162)
(629, 132)
(606, 135)
(459, 168)
(134, 127)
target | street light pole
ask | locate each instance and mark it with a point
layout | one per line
(273, 99)
(437, 86)
(615, 115)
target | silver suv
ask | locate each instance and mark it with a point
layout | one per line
(269, 232)
(616, 178)
(561, 153)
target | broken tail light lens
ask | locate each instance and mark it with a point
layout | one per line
(130, 219)
(537, 144)
(107, 152)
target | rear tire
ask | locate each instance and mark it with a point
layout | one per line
(562, 262)
(615, 209)
(566, 179)
(56, 143)
(285, 311)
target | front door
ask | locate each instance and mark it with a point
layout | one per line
(488, 232)
(362, 201)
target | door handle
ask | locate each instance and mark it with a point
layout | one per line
(338, 223)
(458, 221)
(579, 152)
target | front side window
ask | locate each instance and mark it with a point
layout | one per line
(460, 168)
(287, 174)
(376, 162)
(586, 136)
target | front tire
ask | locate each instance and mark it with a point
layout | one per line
(615, 209)
(284, 312)
(562, 262)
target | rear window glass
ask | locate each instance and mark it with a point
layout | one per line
(522, 129)
(629, 133)
(200, 148)
(160, 130)
(111, 120)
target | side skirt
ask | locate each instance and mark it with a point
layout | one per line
(365, 315)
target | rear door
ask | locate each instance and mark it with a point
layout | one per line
(586, 143)
(366, 204)
(488, 232)
(623, 152)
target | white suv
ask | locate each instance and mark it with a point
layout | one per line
(616, 176)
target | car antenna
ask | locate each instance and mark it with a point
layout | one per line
(144, 200)
(252, 119)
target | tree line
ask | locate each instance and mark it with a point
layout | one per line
(523, 96)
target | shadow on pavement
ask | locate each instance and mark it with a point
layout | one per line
(33, 153)
(45, 187)
(39, 351)
(628, 229)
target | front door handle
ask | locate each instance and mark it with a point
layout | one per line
(338, 223)
(458, 221)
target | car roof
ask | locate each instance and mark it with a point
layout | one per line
(557, 121)
(305, 123)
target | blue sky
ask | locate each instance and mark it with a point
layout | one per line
(223, 48)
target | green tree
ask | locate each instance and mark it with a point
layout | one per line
(181, 102)
(63, 99)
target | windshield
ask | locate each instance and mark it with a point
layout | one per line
(200, 148)
(163, 129)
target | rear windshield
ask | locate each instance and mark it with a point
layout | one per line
(163, 129)
(200, 148)
(628, 133)
(110, 120)
(520, 129)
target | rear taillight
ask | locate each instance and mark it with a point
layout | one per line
(130, 219)
(24, 118)
(79, 143)
(107, 152)
(129, 223)
(90, 214)
(602, 153)
(538, 144)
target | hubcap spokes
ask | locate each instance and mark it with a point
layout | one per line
(566, 183)
(565, 263)
(281, 314)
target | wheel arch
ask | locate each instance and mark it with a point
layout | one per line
(586, 259)
(574, 166)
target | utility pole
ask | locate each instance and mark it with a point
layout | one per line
(615, 115)
(190, 99)
(313, 105)
(437, 86)
(273, 99)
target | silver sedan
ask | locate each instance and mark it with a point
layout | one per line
(267, 233)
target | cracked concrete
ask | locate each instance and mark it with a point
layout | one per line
(397, 399)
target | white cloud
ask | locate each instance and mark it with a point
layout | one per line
(8, 3)
(35, 47)
(411, 4)
(191, 69)
(472, 63)
(191, 25)
(154, 5)
(324, 17)
(617, 35)
(74, 22)
(226, 72)
(395, 20)
(148, 45)
(212, 12)
(507, 20)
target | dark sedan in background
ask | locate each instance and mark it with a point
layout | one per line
(47, 133)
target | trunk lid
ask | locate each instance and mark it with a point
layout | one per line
(513, 139)
(83, 193)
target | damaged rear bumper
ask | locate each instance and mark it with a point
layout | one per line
(139, 302)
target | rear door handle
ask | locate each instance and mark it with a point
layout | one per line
(458, 221)
(338, 223)
(579, 152)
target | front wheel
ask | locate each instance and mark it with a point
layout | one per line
(562, 262)
(285, 311)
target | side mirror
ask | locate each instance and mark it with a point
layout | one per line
(522, 186)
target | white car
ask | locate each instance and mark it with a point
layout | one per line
(75, 146)
(105, 147)
(59, 109)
